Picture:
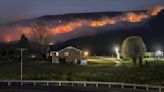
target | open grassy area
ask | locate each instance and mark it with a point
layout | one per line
(99, 60)
(153, 73)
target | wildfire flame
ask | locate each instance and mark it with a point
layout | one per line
(130, 17)
(156, 10)
(66, 28)
(103, 22)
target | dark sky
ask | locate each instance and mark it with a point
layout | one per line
(12, 10)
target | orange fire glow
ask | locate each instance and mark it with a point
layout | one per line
(66, 28)
(129, 17)
(103, 22)
(7, 39)
(132, 17)
(10, 38)
(156, 10)
(27, 31)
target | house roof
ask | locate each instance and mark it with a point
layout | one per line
(60, 48)
(70, 47)
(55, 48)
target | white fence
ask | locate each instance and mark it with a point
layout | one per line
(83, 83)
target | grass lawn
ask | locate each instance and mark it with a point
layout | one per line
(99, 60)
(96, 70)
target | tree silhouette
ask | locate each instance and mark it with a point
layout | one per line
(133, 48)
(40, 32)
(23, 42)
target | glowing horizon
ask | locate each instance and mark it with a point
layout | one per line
(129, 17)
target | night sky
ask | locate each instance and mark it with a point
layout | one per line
(12, 10)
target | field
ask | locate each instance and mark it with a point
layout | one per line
(96, 70)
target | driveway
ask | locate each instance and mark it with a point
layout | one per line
(118, 63)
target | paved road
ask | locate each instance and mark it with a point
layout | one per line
(63, 89)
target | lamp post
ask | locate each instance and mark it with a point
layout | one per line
(158, 54)
(21, 50)
(117, 52)
(86, 53)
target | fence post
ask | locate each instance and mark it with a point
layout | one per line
(47, 83)
(134, 87)
(72, 84)
(8, 83)
(21, 83)
(85, 84)
(109, 86)
(160, 89)
(59, 84)
(147, 87)
(34, 84)
(122, 85)
(97, 85)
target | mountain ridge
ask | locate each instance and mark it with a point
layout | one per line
(21, 27)
(103, 43)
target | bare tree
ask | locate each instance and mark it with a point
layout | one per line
(40, 32)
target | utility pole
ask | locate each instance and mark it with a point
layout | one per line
(21, 50)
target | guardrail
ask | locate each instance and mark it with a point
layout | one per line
(83, 83)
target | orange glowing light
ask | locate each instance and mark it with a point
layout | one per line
(66, 28)
(132, 17)
(28, 32)
(156, 10)
(129, 17)
(7, 39)
(103, 22)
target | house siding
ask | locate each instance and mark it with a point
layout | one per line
(74, 56)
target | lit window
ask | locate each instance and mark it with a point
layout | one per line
(66, 53)
(57, 53)
(50, 53)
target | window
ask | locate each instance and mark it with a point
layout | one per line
(50, 54)
(57, 53)
(66, 53)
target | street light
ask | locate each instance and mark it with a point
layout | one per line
(86, 53)
(21, 50)
(158, 54)
(51, 43)
(60, 21)
(117, 52)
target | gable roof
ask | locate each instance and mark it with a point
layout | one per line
(55, 48)
(70, 47)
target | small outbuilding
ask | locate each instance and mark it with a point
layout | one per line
(67, 55)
